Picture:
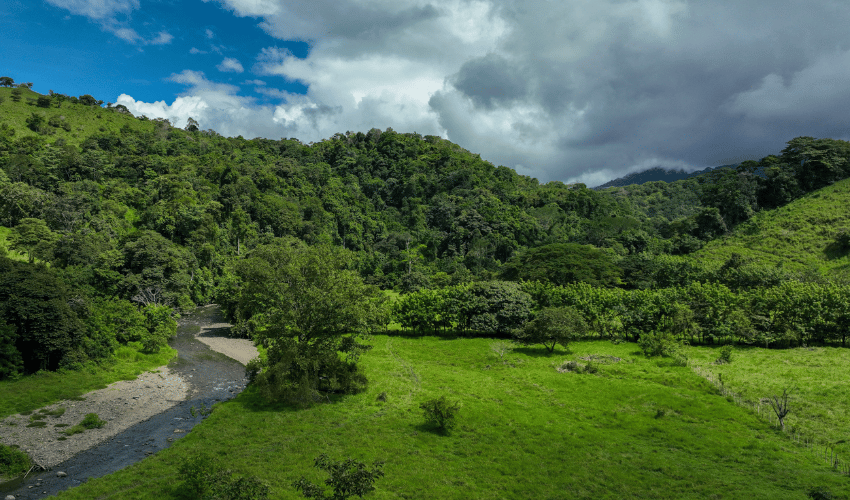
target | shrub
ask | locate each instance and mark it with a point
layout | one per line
(440, 412)
(13, 461)
(206, 478)
(92, 421)
(725, 354)
(658, 343)
(347, 478)
(552, 326)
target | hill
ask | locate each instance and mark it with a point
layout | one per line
(802, 235)
(657, 174)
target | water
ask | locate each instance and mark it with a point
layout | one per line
(211, 376)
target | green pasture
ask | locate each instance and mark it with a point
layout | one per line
(816, 378)
(638, 428)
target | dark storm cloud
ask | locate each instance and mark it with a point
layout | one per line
(490, 80)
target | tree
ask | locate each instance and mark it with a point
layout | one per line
(43, 101)
(34, 237)
(779, 404)
(562, 263)
(191, 124)
(16, 94)
(6, 81)
(347, 478)
(553, 326)
(309, 311)
(36, 122)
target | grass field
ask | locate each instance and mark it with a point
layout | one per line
(799, 236)
(638, 428)
(816, 378)
(43, 388)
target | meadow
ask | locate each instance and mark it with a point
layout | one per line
(636, 428)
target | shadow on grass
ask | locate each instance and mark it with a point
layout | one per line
(252, 400)
(542, 352)
(432, 429)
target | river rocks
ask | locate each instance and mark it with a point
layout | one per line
(10, 497)
(61, 474)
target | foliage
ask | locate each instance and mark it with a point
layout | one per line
(562, 263)
(306, 308)
(725, 354)
(206, 479)
(347, 479)
(13, 461)
(552, 326)
(90, 421)
(440, 412)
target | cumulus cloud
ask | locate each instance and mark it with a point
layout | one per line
(574, 91)
(230, 65)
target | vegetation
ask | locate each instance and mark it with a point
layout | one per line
(527, 430)
(440, 412)
(347, 478)
(111, 225)
(13, 462)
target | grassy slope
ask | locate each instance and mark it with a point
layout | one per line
(798, 236)
(83, 121)
(816, 377)
(44, 388)
(638, 429)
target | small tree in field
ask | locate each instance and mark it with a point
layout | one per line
(551, 327)
(440, 412)
(780, 407)
(347, 478)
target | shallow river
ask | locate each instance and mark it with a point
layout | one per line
(211, 376)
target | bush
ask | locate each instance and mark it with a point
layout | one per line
(92, 421)
(725, 355)
(658, 343)
(13, 461)
(347, 478)
(440, 412)
(206, 478)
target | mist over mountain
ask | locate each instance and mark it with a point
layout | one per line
(656, 174)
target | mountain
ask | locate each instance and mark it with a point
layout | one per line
(656, 174)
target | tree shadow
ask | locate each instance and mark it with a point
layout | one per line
(432, 429)
(541, 352)
(835, 251)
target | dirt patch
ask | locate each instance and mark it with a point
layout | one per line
(122, 405)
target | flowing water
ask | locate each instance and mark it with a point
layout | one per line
(212, 377)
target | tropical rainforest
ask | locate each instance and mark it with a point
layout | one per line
(111, 225)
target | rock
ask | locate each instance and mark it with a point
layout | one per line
(10, 497)
(61, 474)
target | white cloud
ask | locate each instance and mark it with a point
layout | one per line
(255, 82)
(194, 50)
(210, 34)
(581, 90)
(162, 38)
(97, 9)
(230, 65)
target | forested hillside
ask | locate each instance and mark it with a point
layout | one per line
(115, 212)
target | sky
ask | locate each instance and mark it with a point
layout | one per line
(571, 91)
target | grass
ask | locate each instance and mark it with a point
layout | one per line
(83, 120)
(799, 236)
(637, 428)
(43, 388)
(816, 378)
(90, 421)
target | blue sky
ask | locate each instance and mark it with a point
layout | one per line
(585, 90)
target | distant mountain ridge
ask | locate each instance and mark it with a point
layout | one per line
(656, 174)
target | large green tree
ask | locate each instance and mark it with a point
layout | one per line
(310, 311)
